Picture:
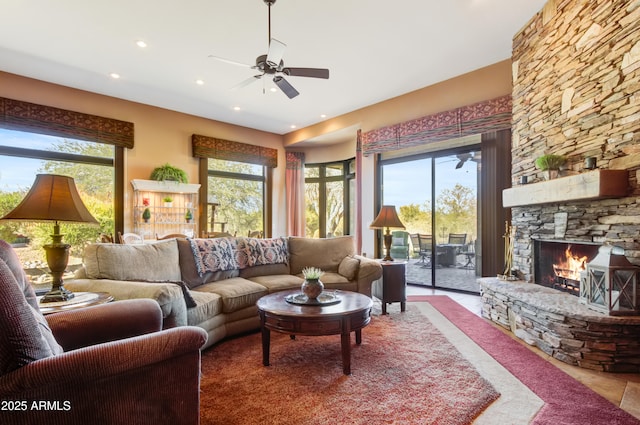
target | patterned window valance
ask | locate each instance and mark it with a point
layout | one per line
(490, 115)
(210, 147)
(295, 160)
(25, 116)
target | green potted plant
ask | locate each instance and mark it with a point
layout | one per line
(188, 216)
(168, 172)
(168, 201)
(550, 163)
(146, 215)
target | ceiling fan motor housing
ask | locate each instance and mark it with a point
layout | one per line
(266, 67)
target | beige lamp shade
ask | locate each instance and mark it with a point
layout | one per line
(387, 217)
(52, 198)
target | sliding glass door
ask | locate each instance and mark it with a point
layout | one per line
(436, 199)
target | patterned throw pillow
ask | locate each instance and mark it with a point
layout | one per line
(217, 254)
(257, 252)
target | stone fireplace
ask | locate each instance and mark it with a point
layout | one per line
(576, 93)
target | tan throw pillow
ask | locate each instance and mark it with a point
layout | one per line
(349, 267)
(154, 262)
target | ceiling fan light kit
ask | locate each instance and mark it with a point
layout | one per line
(272, 64)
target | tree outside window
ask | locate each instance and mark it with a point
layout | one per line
(22, 156)
(238, 190)
(327, 194)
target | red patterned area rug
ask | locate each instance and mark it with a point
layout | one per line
(566, 401)
(404, 372)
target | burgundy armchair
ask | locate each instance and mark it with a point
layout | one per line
(107, 364)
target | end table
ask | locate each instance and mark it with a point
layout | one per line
(393, 285)
(80, 300)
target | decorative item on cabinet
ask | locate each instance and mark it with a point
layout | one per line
(146, 215)
(150, 194)
(168, 201)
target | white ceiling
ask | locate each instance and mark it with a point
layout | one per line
(375, 50)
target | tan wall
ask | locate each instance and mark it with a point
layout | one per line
(164, 136)
(160, 135)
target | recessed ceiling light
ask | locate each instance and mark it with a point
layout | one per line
(272, 89)
(236, 108)
(114, 75)
(141, 44)
(200, 82)
(293, 126)
(323, 116)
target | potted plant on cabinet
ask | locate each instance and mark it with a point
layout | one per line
(168, 201)
(168, 172)
(146, 215)
(550, 164)
(188, 216)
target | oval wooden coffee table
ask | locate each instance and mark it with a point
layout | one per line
(351, 314)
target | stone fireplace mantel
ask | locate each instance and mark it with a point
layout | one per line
(597, 184)
(558, 324)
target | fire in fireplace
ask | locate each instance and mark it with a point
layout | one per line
(558, 263)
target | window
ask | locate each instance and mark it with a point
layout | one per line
(22, 156)
(236, 197)
(328, 190)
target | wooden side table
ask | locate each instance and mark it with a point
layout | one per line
(80, 300)
(393, 285)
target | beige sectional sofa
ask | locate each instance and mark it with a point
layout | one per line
(215, 283)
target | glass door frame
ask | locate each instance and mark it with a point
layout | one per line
(433, 156)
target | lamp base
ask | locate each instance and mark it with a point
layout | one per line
(387, 246)
(57, 295)
(57, 259)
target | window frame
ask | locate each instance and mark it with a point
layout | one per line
(267, 192)
(346, 176)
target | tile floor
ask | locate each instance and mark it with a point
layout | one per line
(622, 389)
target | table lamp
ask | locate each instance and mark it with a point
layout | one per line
(387, 217)
(53, 198)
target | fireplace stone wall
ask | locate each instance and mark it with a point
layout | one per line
(576, 76)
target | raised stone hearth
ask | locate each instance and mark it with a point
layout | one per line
(558, 324)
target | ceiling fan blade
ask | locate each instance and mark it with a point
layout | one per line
(275, 53)
(231, 62)
(285, 87)
(247, 82)
(307, 72)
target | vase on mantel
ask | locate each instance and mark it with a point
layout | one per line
(551, 174)
(312, 288)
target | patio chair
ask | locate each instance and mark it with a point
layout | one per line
(457, 239)
(399, 245)
(415, 247)
(426, 248)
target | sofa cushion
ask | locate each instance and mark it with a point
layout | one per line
(156, 262)
(266, 270)
(324, 253)
(237, 293)
(208, 305)
(189, 272)
(276, 283)
(349, 267)
(25, 335)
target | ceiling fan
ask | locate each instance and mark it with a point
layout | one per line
(272, 64)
